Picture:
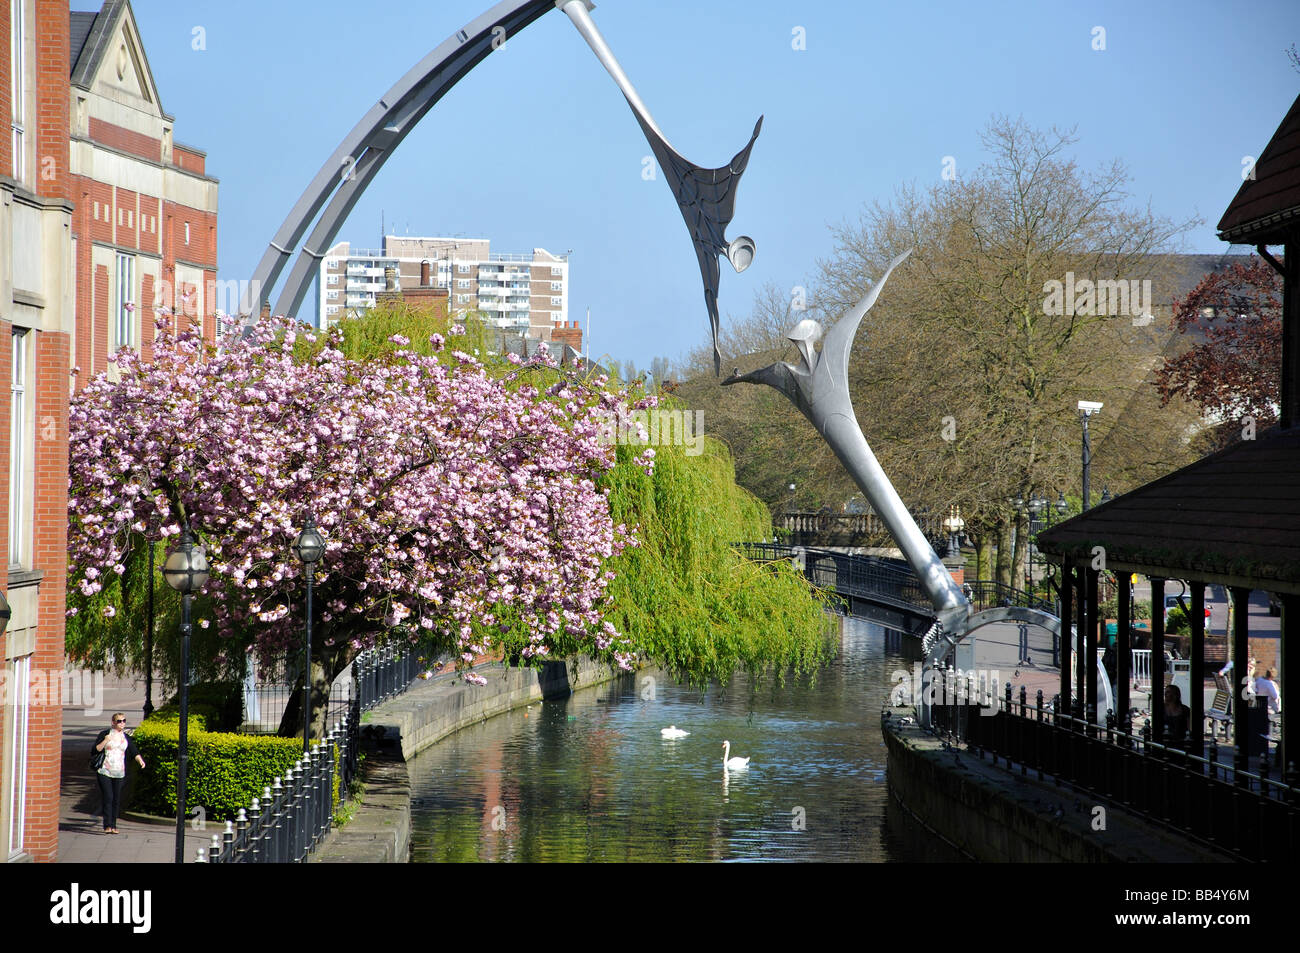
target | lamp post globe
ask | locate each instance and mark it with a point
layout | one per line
(185, 570)
(309, 546)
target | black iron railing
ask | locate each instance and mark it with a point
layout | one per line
(1253, 815)
(296, 810)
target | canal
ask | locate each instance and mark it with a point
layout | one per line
(589, 778)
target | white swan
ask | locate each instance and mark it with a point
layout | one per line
(732, 764)
(673, 732)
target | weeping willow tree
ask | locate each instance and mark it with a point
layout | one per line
(684, 596)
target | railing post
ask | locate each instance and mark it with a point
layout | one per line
(200, 855)
(242, 832)
(276, 795)
(214, 850)
(228, 839)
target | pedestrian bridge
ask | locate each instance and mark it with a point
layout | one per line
(883, 590)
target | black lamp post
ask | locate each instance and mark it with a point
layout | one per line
(185, 570)
(308, 547)
(1087, 410)
(148, 642)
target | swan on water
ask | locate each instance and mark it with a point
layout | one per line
(732, 764)
(673, 732)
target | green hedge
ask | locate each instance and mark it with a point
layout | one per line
(226, 770)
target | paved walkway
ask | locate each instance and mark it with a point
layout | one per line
(81, 835)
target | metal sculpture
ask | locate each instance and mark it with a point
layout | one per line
(706, 197)
(819, 387)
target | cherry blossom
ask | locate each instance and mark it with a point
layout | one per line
(454, 503)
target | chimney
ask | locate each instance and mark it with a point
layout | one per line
(424, 273)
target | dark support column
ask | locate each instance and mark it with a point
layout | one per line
(1067, 602)
(1123, 650)
(1158, 659)
(1290, 610)
(1290, 391)
(1240, 666)
(1197, 701)
(1090, 647)
(1081, 624)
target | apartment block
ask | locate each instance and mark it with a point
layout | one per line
(518, 294)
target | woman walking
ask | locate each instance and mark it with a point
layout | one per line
(116, 746)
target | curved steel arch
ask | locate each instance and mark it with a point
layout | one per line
(362, 153)
(705, 197)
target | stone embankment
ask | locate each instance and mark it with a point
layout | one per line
(990, 813)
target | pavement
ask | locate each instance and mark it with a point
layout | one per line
(81, 836)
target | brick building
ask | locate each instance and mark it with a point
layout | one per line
(101, 216)
(144, 233)
(36, 334)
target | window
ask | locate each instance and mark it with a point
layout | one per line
(556, 271)
(18, 91)
(18, 482)
(187, 233)
(124, 305)
(556, 301)
(462, 269)
(462, 283)
(462, 299)
(332, 295)
(331, 279)
(15, 751)
(557, 286)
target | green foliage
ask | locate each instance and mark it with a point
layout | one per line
(686, 599)
(1177, 623)
(115, 643)
(221, 704)
(367, 336)
(226, 770)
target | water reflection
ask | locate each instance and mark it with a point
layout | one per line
(591, 778)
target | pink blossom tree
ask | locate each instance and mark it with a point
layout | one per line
(457, 506)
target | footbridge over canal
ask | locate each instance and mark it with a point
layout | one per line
(883, 590)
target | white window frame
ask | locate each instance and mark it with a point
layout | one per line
(462, 269)
(15, 753)
(557, 285)
(556, 270)
(125, 325)
(19, 485)
(18, 84)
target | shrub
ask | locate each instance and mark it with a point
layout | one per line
(226, 770)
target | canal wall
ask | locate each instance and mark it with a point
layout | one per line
(991, 813)
(395, 731)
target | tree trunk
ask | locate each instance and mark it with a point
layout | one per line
(1002, 571)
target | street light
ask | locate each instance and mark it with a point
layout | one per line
(185, 570)
(308, 547)
(1087, 409)
(954, 524)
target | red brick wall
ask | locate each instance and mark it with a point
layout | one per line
(186, 159)
(127, 217)
(50, 556)
(116, 137)
(83, 227)
(144, 310)
(52, 94)
(202, 248)
(99, 332)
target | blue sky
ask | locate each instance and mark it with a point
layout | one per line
(879, 96)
